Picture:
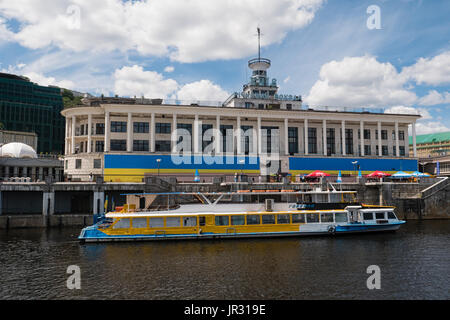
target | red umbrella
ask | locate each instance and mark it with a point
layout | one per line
(317, 174)
(378, 174)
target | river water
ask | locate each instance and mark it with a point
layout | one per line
(414, 263)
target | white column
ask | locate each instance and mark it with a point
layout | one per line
(379, 139)
(174, 137)
(217, 135)
(361, 136)
(414, 139)
(129, 133)
(66, 140)
(259, 134)
(72, 143)
(324, 136)
(306, 136)
(238, 135)
(343, 137)
(397, 147)
(89, 133)
(286, 136)
(195, 134)
(152, 133)
(107, 128)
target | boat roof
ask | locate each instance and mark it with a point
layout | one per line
(191, 214)
(241, 192)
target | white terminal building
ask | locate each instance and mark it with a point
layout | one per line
(125, 139)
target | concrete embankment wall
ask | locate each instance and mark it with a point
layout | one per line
(40, 221)
(74, 204)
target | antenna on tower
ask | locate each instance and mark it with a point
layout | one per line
(259, 43)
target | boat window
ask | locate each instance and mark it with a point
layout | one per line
(189, 221)
(340, 217)
(379, 215)
(253, 219)
(268, 219)
(201, 221)
(298, 218)
(139, 222)
(391, 215)
(312, 217)
(237, 220)
(222, 220)
(172, 221)
(326, 217)
(158, 222)
(368, 215)
(123, 223)
(282, 218)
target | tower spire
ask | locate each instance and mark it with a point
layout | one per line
(259, 43)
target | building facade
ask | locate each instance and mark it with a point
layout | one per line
(432, 145)
(29, 138)
(257, 132)
(28, 107)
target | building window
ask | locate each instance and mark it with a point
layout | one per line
(140, 127)
(118, 145)
(331, 143)
(118, 126)
(97, 163)
(206, 135)
(162, 145)
(289, 106)
(349, 141)
(367, 150)
(293, 140)
(163, 128)
(140, 145)
(260, 106)
(270, 139)
(401, 135)
(77, 163)
(312, 140)
(402, 151)
(384, 150)
(247, 136)
(366, 133)
(393, 135)
(99, 146)
(99, 128)
(376, 134)
(383, 134)
(227, 138)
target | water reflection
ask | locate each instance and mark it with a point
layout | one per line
(414, 263)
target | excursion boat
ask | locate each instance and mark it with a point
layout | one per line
(137, 220)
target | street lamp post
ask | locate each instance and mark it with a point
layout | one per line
(158, 161)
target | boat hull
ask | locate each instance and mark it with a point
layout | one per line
(92, 234)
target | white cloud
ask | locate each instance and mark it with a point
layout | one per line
(135, 81)
(186, 31)
(409, 110)
(426, 124)
(430, 71)
(286, 80)
(202, 90)
(434, 98)
(430, 127)
(169, 69)
(360, 82)
(47, 81)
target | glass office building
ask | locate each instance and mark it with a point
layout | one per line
(26, 106)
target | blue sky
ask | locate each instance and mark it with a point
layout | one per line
(320, 49)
